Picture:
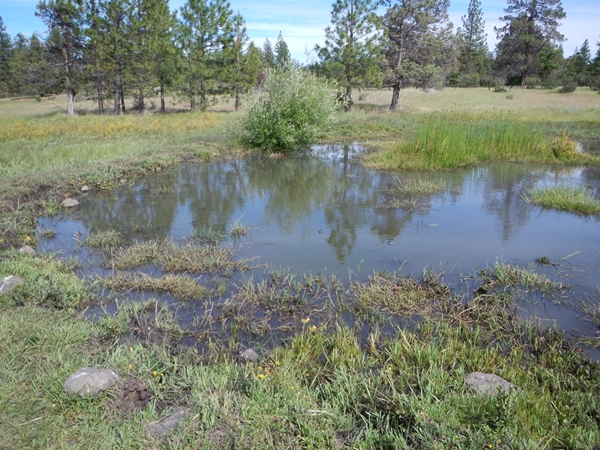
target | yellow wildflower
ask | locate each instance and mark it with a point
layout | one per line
(313, 328)
(306, 320)
(154, 373)
(261, 376)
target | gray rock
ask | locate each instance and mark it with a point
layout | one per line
(169, 423)
(9, 283)
(90, 381)
(27, 250)
(249, 355)
(69, 202)
(488, 384)
(85, 188)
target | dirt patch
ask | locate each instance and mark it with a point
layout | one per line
(132, 395)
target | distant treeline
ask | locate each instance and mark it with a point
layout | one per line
(110, 49)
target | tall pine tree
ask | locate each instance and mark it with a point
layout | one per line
(206, 32)
(531, 27)
(351, 49)
(64, 19)
(473, 60)
(418, 48)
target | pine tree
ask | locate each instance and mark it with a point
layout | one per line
(5, 56)
(29, 67)
(268, 54)
(473, 56)
(64, 19)
(351, 46)
(418, 48)
(246, 62)
(206, 31)
(282, 52)
(531, 26)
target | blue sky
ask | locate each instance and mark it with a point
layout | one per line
(302, 23)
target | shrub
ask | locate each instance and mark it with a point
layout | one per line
(568, 87)
(499, 89)
(294, 107)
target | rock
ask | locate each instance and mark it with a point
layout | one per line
(9, 283)
(70, 202)
(90, 381)
(488, 384)
(249, 355)
(27, 250)
(168, 423)
(85, 188)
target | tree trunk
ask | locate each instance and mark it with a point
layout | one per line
(100, 95)
(162, 98)
(68, 83)
(70, 109)
(395, 96)
(122, 100)
(238, 100)
(348, 105)
(141, 101)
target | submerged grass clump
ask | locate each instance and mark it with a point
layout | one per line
(414, 186)
(174, 257)
(179, 286)
(565, 198)
(458, 141)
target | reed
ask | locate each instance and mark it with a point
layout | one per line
(565, 198)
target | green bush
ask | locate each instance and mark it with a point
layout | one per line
(499, 89)
(294, 107)
(568, 87)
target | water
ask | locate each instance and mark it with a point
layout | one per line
(321, 212)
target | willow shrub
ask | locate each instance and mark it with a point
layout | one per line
(293, 109)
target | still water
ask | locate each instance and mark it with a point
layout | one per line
(321, 212)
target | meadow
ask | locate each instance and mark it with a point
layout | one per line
(332, 385)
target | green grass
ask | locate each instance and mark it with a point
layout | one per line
(565, 198)
(457, 141)
(179, 286)
(323, 390)
(173, 257)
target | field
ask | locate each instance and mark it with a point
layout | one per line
(330, 386)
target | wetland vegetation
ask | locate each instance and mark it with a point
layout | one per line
(376, 360)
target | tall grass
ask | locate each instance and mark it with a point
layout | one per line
(457, 141)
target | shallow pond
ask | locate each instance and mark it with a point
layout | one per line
(322, 213)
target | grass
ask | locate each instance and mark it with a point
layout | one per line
(173, 257)
(179, 286)
(104, 240)
(565, 198)
(457, 141)
(414, 186)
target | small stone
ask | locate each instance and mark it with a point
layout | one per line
(122, 181)
(90, 381)
(69, 202)
(249, 355)
(9, 283)
(169, 423)
(27, 250)
(85, 188)
(488, 384)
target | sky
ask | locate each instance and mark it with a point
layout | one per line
(303, 22)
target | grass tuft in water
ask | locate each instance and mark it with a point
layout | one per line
(174, 257)
(179, 286)
(104, 240)
(414, 186)
(507, 275)
(565, 198)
